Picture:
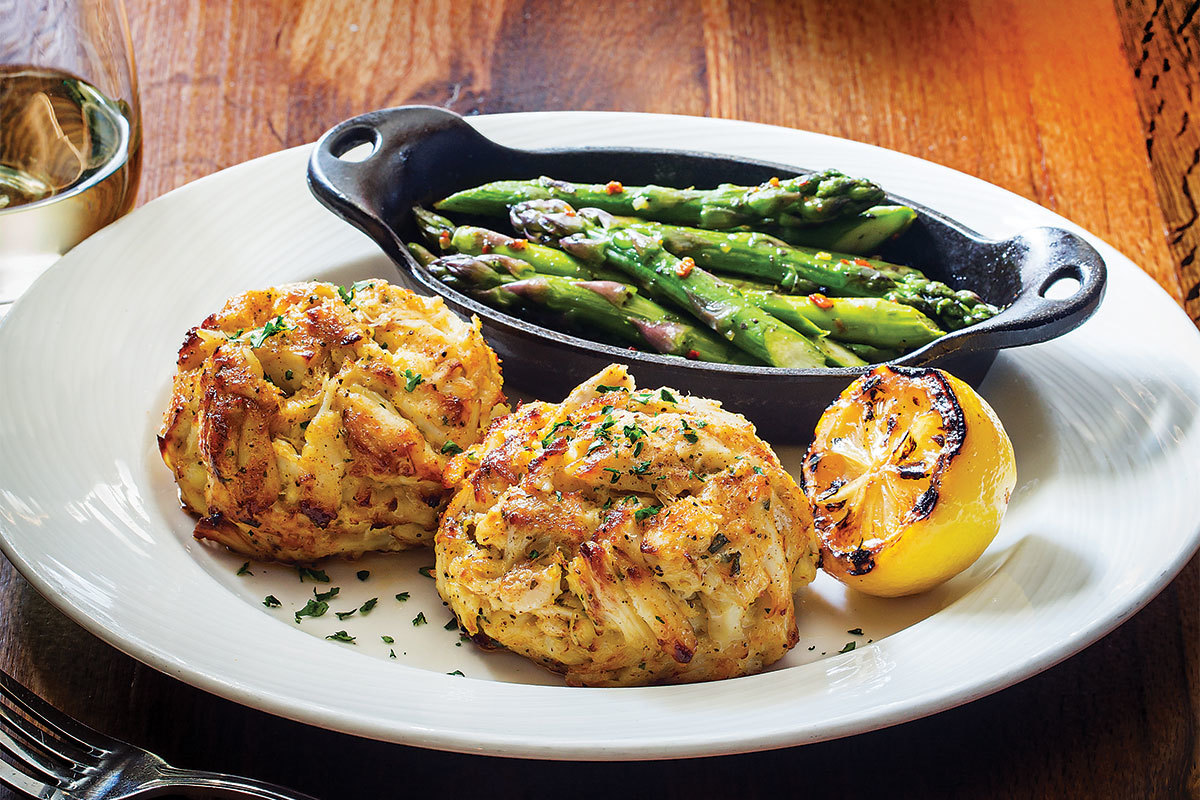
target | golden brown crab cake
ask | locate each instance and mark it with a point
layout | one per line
(310, 420)
(627, 537)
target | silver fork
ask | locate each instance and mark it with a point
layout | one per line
(55, 757)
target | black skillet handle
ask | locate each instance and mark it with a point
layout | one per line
(1044, 257)
(375, 193)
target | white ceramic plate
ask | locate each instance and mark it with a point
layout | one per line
(1103, 420)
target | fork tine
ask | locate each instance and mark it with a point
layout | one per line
(87, 739)
(36, 760)
(12, 777)
(41, 740)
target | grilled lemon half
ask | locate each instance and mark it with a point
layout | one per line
(909, 476)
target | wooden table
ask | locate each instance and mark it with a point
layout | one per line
(1085, 108)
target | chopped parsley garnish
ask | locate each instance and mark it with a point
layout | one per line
(855, 631)
(633, 433)
(533, 555)
(691, 438)
(594, 446)
(366, 607)
(641, 468)
(391, 653)
(271, 601)
(313, 608)
(419, 620)
(457, 672)
(304, 425)
(451, 448)
(402, 597)
(244, 569)
(602, 389)
(849, 646)
(667, 396)
(426, 571)
(412, 380)
(735, 563)
(287, 375)
(317, 575)
(557, 427)
(323, 596)
(452, 624)
(346, 614)
(758, 470)
(647, 511)
(346, 295)
(607, 503)
(341, 636)
(363, 574)
(387, 639)
(616, 473)
(272, 327)
(719, 541)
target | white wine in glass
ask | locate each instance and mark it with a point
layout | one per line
(70, 131)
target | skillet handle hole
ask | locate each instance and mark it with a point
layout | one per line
(1062, 284)
(355, 145)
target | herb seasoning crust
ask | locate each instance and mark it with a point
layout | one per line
(627, 537)
(312, 420)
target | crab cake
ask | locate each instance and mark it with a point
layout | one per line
(627, 537)
(311, 420)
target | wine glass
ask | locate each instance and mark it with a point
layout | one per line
(70, 130)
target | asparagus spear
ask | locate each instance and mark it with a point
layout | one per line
(864, 320)
(421, 254)
(799, 270)
(716, 303)
(862, 234)
(586, 306)
(474, 241)
(872, 354)
(796, 202)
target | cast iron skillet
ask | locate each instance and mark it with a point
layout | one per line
(420, 154)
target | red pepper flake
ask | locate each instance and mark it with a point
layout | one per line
(518, 244)
(845, 261)
(569, 212)
(693, 355)
(862, 262)
(685, 267)
(614, 187)
(820, 301)
(486, 248)
(444, 238)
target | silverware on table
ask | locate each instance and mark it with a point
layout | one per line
(53, 756)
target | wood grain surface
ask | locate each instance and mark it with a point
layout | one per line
(1087, 108)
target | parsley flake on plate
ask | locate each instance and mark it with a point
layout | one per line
(313, 608)
(317, 575)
